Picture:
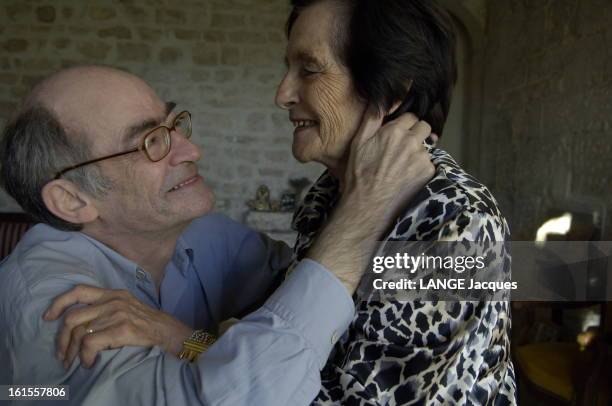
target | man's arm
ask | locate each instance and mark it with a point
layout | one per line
(272, 357)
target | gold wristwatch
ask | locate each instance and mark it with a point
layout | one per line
(197, 343)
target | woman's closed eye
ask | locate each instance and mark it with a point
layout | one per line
(309, 70)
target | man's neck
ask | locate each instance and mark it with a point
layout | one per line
(151, 252)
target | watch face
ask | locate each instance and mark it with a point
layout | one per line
(203, 337)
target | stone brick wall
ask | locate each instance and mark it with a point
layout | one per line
(547, 107)
(547, 91)
(222, 59)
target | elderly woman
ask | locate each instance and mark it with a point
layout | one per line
(344, 56)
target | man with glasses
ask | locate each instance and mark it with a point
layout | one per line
(155, 144)
(110, 172)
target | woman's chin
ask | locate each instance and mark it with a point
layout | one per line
(302, 148)
(300, 154)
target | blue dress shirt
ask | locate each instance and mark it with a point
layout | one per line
(220, 269)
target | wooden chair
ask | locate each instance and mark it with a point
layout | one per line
(565, 373)
(12, 227)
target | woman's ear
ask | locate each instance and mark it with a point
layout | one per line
(398, 103)
(394, 108)
(66, 201)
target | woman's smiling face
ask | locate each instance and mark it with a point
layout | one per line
(318, 90)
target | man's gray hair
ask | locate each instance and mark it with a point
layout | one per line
(34, 147)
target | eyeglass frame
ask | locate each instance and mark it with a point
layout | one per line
(141, 147)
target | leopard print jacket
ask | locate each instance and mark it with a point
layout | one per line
(420, 352)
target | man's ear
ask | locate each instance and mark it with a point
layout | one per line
(66, 201)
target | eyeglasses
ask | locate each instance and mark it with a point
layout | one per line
(155, 144)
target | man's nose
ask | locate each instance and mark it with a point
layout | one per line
(183, 149)
(287, 93)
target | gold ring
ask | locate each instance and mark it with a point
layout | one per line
(88, 328)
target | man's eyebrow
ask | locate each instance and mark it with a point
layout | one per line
(136, 129)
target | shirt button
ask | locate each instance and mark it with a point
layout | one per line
(334, 338)
(140, 275)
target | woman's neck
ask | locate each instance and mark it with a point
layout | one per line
(338, 170)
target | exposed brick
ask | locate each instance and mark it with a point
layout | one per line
(273, 172)
(30, 80)
(247, 37)
(230, 55)
(47, 28)
(223, 76)
(170, 16)
(80, 31)
(169, 55)
(19, 91)
(547, 77)
(150, 34)
(95, 50)
(256, 122)
(227, 21)
(136, 14)
(101, 13)
(277, 156)
(18, 11)
(200, 75)
(280, 120)
(200, 18)
(276, 37)
(214, 36)
(61, 43)
(263, 21)
(8, 78)
(259, 55)
(15, 45)
(67, 13)
(138, 52)
(45, 14)
(118, 31)
(187, 34)
(244, 171)
(205, 54)
(7, 108)
(35, 64)
(268, 78)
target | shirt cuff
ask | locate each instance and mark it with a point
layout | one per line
(315, 302)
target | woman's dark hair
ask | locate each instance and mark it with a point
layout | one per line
(390, 46)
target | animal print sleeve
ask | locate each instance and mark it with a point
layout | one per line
(426, 353)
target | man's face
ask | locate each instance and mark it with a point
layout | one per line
(146, 197)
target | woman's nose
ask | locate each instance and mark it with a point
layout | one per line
(286, 94)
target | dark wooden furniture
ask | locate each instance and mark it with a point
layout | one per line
(12, 227)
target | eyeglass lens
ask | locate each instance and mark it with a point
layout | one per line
(157, 143)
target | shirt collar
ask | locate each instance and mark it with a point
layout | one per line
(183, 255)
(128, 269)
